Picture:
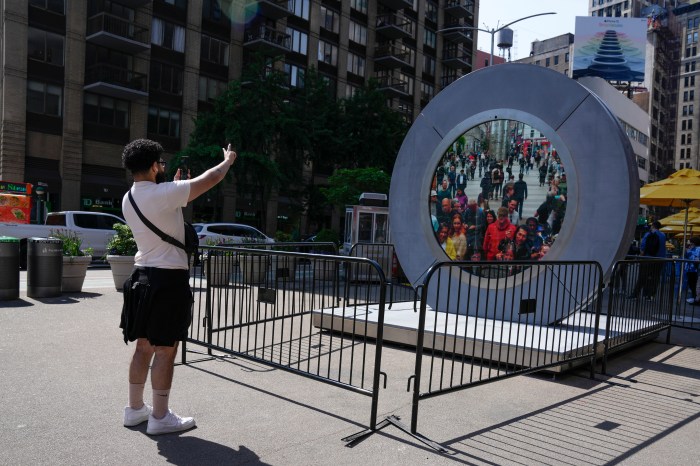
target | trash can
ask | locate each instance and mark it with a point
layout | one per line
(9, 268)
(44, 267)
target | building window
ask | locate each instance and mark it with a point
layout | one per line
(214, 50)
(538, 62)
(690, 109)
(430, 38)
(45, 46)
(358, 33)
(165, 78)
(427, 91)
(44, 98)
(55, 6)
(682, 153)
(106, 111)
(689, 139)
(685, 96)
(691, 95)
(409, 82)
(356, 64)
(299, 8)
(556, 59)
(351, 91)
(690, 125)
(546, 61)
(295, 75)
(210, 89)
(168, 35)
(300, 41)
(164, 122)
(429, 65)
(431, 11)
(683, 125)
(685, 81)
(327, 53)
(682, 138)
(330, 20)
(685, 110)
(211, 10)
(359, 5)
(181, 4)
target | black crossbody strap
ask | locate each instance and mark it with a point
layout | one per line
(165, 237)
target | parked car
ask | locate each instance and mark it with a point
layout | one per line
(211, 234)
(93, 228)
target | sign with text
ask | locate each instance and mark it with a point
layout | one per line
(610, 48)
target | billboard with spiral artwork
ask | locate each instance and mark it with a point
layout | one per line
(610, 48)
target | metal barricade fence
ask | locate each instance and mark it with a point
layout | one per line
(646, 296)
(295, 311)
(384, 254)
(457, 350)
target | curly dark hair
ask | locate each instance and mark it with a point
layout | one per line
(139, 155)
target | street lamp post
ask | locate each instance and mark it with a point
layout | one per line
(493, 31)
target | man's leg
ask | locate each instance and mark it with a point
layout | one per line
(162, 378)
(138, 372)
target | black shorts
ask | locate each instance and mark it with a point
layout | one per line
(157, 306)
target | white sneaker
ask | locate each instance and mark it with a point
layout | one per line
(171, 422)
(134, 417)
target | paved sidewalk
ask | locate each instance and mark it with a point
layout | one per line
(63, 386)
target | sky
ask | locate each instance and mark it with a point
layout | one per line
(496, 13)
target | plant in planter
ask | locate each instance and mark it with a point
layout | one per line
(325, 270)
(217, 263)
(253, 266)
(283, 267)
(121, 250)
(75, 260)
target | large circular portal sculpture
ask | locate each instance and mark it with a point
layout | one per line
(603, 184)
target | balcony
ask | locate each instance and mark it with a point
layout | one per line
(390, 56)
(394, 26)
(134, 3)
(117, 33)
(461, 36)
(392, 86)
(268, 8)
(397, 4)
(116, 81)
(267, 40)
(459, 8)
(457, 58)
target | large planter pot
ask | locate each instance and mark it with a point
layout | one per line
(122, 267)
(74, 271)
(253, 268)
(218, 269)
(284, 267)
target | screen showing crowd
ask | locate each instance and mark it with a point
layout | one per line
(498, 194)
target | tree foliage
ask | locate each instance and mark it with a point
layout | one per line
(277, 130)
(346, 185)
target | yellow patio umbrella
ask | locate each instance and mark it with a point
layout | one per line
(681, 189)
(679, 218)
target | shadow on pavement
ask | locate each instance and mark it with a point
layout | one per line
(192, 450)
(16, 303)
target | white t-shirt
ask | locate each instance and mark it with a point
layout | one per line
(162, 205)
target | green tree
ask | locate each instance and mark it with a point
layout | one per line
(371, 132)
(346, 185)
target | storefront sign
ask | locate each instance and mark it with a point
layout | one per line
(15, 188)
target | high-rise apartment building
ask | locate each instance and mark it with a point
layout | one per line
(556, 53)
(687, 113)
(79, 81)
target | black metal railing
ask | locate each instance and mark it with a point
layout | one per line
(105, 22)
(116, 75)
(477, 326)
(293, 310)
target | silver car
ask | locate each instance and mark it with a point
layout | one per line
(213, 234)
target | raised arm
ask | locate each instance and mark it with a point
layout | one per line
(213, 176)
